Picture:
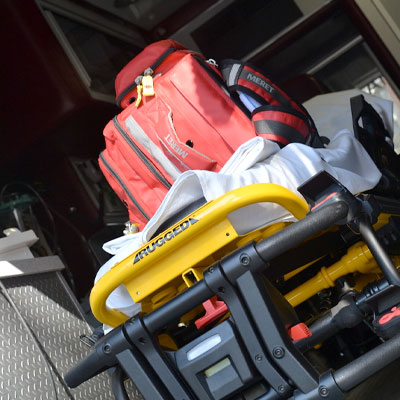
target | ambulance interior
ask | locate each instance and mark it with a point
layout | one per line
(60, 62)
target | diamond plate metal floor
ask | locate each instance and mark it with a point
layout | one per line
(54, 317)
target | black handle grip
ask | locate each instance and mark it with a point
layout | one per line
(295, 234)
(99, 359)
(89, 367)
(362, 368)
(381, 256)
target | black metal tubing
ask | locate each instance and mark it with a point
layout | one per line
(270, 395)
(322, 218)
(137, 369)
(345, 314)
(367, 365)
(216, 280)
(178, 306)
(117, 384)
(273, 333)
(327, 389)
(101, 357)
(382, 258)
(162, 368)
(267, 249)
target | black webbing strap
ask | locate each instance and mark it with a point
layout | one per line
(280, 118)
(282, 125)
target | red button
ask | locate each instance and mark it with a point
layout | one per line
(299, 331)
(394, 312)
(214, 310)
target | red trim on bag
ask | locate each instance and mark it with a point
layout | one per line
(274, 102)
(285, 118)
(261, 92)
(264, 78)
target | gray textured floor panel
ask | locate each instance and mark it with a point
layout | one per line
(54, 318)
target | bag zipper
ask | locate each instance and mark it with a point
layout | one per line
(140, 154)
(206, 65)
(152, 66)
(122, 184)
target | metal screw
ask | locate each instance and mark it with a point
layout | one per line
(245, 259)
(323, 391)
(107, 348)
(278, 352)
(281, 388)
(211, 269)
(258, 357)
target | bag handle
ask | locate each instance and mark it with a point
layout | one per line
(282, 125)
(280, 118)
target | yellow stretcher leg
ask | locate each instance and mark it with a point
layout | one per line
(357, 259)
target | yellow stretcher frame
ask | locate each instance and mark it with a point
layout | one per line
(187, 247)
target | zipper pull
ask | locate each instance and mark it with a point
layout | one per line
(139, 89)
(131, 227)
(147, 82)
(211, 61)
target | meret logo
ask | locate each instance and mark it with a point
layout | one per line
(162, 240)
(260, 82)
(175, 146)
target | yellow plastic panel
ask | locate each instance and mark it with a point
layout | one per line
(185, 254)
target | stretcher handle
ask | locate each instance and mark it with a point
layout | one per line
(336, 383)
(92, 365)
(208, 215)
(362, 368)
(101, 357)
(295, 234)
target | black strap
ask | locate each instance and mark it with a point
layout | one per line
(245, 78)
(282, 125)
(240, 76)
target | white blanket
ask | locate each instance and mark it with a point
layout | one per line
(257, 161)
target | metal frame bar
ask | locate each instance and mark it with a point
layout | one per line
(236, 280)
